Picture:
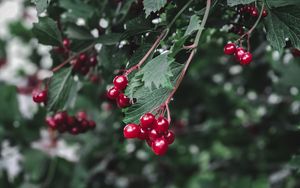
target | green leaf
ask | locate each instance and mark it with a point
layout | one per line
(47, 32)
(147, 100)
(282, 23)
(41, 5)
(139, 54)
(76, 32)
(237, 2)
(79, 9)
(60, 91)
(157, 72)
(8, 98)
(194, 25)
(153, 5)
(281, 3)
(137, 26)
(295, 162)
(109, 39)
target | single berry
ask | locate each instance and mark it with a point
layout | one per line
(66, 43)
(239, 53)
(76, 64)
(81, 115)
(82, 57)
(93, 61)
(39, 96)
(265, 13)
(123, 101)
(74, 130)
(51, 123)
(61, 118)
(254, 12)
(113, 93)
(143, 134)
(147, 120)
(131, 131)
(246, 58)
(170, 137)
(248, 8)
(84, 70)
(162, 125)
(120, 82)
(153, 134)
(229, 49)
(92, 124)
(84, 124)
(71, 121)
(159, 146)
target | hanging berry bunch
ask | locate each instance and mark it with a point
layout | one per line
(154, 131)
(116, 92)
(74, 125)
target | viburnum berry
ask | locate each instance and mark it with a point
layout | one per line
(143, 134)
(92, 124)
(264, 13)
(82, 57)
(51, 122)
(120, 82)
(81, 115)
(229, 49)
(66, 43)
(239, 53)
(92, 61)
(246, 58)
(170, 137)
(74, 130)
(39, 96)
(131, 131)
(159, 146)
(153, 134)
(61, 117)
(123, 101)
(113, 93)
(147, 120)
(254, 12)
(162, 124)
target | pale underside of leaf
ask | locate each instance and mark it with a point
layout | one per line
(153, 5)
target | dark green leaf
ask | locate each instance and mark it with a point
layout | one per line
(283, 23)
(237, 2)
(157, 72)
(8, 98)
(76, 32)
(80, 9)
(47, 32)
(109, 39)
(153, 5)
(60, 90)
(41, 5)
(281, 3)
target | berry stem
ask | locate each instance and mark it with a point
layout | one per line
(191, 56)
(57, 68)
(249, 32)
(143, 60)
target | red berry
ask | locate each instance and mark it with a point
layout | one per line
(81, 115)
(162, 125)
(92, 124)
(147, 120)
(131, 131)
(264, 13)
(93, 61)
(159, 146)
(239, 53)
(120, 82)
(82, 57)
(229, 49)
(76, 64)
(143, 134)
(66, 43)
(254, 12)
(113, 93)
(246, 58)
(51, 123)
(39, 96)
(84, 124)
(248, 8)
(123, 101)
(61, 118)
(74, 130)
(170, 137)
(71, 121)
(153, 134)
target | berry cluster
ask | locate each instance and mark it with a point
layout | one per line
(62, 122)
(240, 53)
(116, 92)
(65, 48)
(39, 96)
(155, 131)
(83, 63)
(252, 10)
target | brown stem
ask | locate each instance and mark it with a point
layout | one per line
(55, 69)
(143, 60)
